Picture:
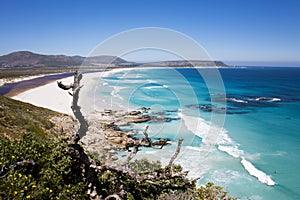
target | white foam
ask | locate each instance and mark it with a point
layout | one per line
(275, 99)
(228, 176)
(267, 99)
(238, 100)
(261, 176)
(212, 136)
(115, 92)
(193, 148)
(156, 87)
(231, 150)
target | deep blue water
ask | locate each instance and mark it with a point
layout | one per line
(241, 125)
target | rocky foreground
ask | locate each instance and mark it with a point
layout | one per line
(104, 135)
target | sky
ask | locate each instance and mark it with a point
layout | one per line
(250, 32)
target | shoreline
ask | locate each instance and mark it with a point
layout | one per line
(36, 91)
(22, 84)
(48, 95)
(20, 88)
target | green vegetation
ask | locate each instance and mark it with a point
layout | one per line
(54, 175)
(36, 165)
(143, 166)
(17, 118)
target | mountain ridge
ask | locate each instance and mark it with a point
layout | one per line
(30, 59)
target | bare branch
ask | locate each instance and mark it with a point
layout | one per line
(146, 138)
(175, 154)
(4, 171)
(113, 197)
(147, 142)
(63, 86)
(133, 153)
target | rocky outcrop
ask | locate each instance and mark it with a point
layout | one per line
(104, 136)
(64, 124)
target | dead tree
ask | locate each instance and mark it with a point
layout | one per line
(75, 86)
(144, 142)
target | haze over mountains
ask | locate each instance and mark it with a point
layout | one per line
(29, 59)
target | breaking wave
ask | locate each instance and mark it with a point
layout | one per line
(260, 175)
(213, 136)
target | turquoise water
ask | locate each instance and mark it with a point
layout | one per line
(244, 136)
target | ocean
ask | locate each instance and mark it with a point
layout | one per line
(241, 126)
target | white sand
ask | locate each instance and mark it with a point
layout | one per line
(52, 97)
(49, 96)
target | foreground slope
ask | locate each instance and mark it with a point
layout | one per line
(35, 163)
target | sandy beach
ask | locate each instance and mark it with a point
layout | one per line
(48, 96)
(52, 97)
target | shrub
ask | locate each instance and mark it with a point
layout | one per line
(54, 175)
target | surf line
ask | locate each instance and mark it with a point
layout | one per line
(201, 128)
(260, 175)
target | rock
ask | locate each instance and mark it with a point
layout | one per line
(144, 109)
(122, 123)
(107, 147)
(64, 124)
(140, 119)
(116, 140)
(134, 112)
(132, 133)
(112, 151)
(114, 158)
(107, 111)
(160, 119)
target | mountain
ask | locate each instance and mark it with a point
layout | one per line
(29, 59)
(188, 63)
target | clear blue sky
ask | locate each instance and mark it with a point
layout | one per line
(244, 31)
